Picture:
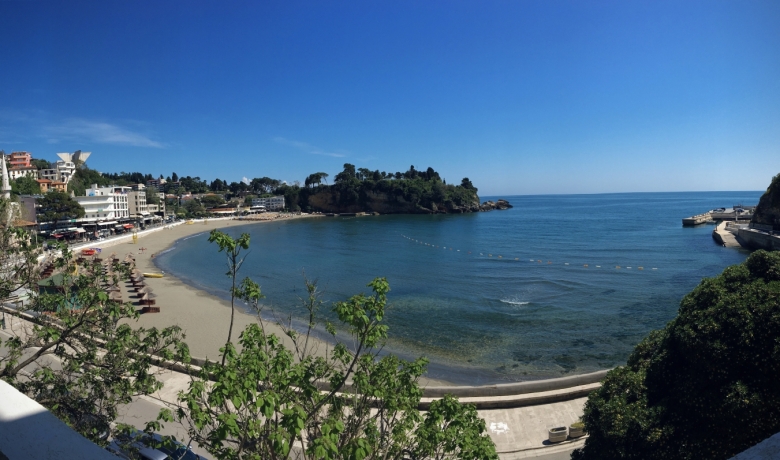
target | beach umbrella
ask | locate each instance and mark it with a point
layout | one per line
(115, 296)
(148, 298)
(144, 289)
(113, 289)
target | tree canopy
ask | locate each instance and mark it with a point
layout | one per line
(261, 401)
(56, 206)
(25, 185)
(706, 385)
(77, 355)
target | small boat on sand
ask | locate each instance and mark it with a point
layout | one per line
(153, 275)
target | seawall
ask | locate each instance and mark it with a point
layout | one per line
(759, 240)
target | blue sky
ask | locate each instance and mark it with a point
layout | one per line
(523, 97)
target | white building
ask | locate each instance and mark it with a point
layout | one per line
(65, 168)
(105, 204)
(273, 203)
(63, 171)
(17, 172)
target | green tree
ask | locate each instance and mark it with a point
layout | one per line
(232, 248)
(264, 185)
(466, 183)
(211, 201)
(82, 359)
(705, 386)
(174, 177)
(40, 164)
(152, 197)
(346, 404)
(56, 206)
(25, 185)
(347, 174)
(194, 208)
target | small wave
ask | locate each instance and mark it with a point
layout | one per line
(166, 251)
(514, 302)
(192, 236)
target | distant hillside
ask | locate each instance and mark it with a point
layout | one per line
(768, 209)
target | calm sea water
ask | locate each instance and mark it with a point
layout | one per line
(531, 292)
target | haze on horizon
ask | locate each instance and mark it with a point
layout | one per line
(530, 97)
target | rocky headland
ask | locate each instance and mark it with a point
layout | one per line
(767, 213)
(330, 200)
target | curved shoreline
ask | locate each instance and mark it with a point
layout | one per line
(194, 308)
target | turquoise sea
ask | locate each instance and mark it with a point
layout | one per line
(527, 293)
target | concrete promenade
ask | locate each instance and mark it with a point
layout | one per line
(517, 415)
(518, 432)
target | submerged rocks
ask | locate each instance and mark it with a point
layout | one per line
(491, 205)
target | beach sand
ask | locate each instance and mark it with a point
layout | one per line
(204, 318)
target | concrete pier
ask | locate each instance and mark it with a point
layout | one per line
(724, 237)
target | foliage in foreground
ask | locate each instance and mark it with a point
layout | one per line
(704, 387)
(274, 401)
(76, 356)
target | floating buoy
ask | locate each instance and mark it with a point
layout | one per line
(566, 263)
(585, 265)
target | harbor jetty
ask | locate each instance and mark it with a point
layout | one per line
(736, 213)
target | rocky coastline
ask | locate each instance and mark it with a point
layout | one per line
(329, 202)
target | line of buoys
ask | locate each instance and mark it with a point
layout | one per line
(549, 262)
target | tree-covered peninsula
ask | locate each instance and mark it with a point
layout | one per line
(362, 190)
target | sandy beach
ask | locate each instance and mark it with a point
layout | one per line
(204, 318)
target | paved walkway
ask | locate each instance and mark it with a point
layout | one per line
(518, 432)
(725, 237)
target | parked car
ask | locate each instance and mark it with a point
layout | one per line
(139, 445)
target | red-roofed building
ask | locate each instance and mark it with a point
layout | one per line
(47, 185)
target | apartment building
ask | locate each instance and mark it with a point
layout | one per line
(65, 167)
(273, 203)
(157, 184)
(63, 171)
(46, 185)
(20, 160)
(157, 209)
(105, 203)
(16, 172)
(136, 200)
